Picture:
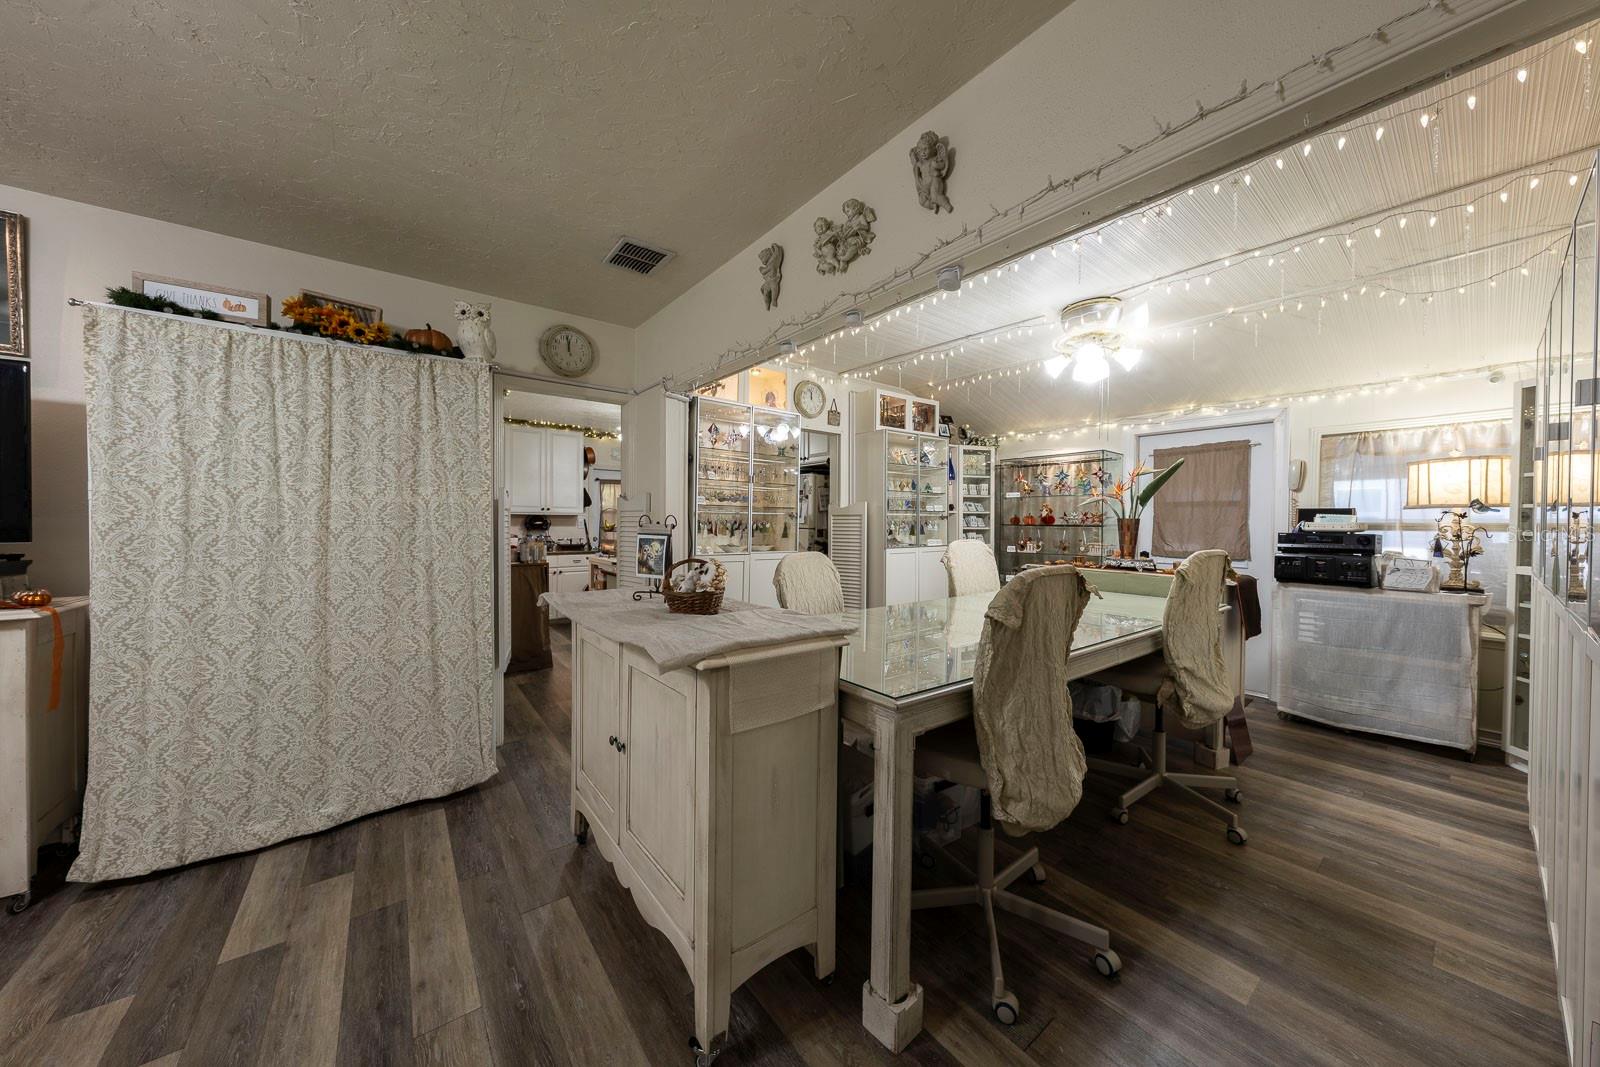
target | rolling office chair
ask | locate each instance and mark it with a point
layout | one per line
(971, 567)
(1021, 753)
(808, 582)
(1186, 677)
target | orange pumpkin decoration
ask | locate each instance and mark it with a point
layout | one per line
(428, 337)
(32, 598)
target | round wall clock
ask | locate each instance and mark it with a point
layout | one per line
(809, 398)
(567, 350)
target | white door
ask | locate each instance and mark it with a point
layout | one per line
(525, 465)
(1265, 513)
(564, 483)
(900, 576)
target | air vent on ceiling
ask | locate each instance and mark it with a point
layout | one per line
(637, 257)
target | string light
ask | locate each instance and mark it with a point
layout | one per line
(1241, 177)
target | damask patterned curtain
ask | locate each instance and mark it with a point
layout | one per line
(291, 565)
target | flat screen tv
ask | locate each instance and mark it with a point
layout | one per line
(16, 471)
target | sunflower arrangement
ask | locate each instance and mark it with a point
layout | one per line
(335, 323)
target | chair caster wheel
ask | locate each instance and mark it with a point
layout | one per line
(1007, 1010)
(1237, 836)
(1037, 874)
(1108, 963)
(20, 902)
(1120, 816)
(702, 1058)
(826, 980)
(581, 837)
(1233, 796)
(1284, 715)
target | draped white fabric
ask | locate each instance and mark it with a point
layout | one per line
(292, 586)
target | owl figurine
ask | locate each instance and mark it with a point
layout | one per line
(474, 334)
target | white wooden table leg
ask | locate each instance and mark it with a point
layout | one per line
(891, 1006)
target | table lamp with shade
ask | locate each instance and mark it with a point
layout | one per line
(1459, 485)
(1570, 476)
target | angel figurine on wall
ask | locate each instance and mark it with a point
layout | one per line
(839, 244)
(771, 273)
(931, 161)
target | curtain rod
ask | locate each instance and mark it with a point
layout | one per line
(497, 368)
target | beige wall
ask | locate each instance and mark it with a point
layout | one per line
(75, 250)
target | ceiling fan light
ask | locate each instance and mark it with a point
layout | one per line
(1128, 358)
(1055, 365)
(1089, 365)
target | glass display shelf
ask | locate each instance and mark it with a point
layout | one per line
(746, 478)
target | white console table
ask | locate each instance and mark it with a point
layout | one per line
(43, 751)
(710, 789)
(1380, 661)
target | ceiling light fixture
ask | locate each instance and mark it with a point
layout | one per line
(1092, 330)
(1472, 102)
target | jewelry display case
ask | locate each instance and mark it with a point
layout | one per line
(1046, 511)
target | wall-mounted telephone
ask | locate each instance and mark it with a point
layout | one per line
(1297, 482)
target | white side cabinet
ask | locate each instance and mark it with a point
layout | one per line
(43, 750)
(912, 574)
(711, 791)
(543, 470)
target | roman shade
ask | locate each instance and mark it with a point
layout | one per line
(1207, 502)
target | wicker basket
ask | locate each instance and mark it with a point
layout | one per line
(704, 602)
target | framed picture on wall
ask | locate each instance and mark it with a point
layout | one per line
(232, 305)
(367, 313)
(13, 286)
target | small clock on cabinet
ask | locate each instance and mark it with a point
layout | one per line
(567, 350)
(809, 398)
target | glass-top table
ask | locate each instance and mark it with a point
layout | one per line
(907, 651)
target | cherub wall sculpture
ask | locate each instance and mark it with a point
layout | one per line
(771, 273)
(931, 161)
(840, 244)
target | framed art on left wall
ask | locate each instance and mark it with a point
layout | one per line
(13, 286)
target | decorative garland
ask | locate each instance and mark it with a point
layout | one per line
(542, 424)
(122, 296)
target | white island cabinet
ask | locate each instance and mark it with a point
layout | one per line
(710, 789)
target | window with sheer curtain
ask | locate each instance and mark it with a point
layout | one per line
(1366, 470)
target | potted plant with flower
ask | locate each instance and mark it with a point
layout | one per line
(1128, 500)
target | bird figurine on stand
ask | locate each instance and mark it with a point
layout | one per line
(474, 334)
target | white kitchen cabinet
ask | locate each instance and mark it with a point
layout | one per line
(711, 792)
(568, 574)
(933, 581)
(544, 471)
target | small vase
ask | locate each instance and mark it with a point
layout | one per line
(1127, 538)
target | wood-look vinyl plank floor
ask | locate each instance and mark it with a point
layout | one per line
(1386, 910)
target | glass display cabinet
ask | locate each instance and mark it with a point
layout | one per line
(974, 514)
(746, 478)
(916, 491)
(1046, 511)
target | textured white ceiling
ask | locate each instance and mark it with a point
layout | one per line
(495, 145)
(1243, 237)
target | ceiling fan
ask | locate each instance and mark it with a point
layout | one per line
(1093, 330)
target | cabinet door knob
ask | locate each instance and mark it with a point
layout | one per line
(622, 746)
(613, 741)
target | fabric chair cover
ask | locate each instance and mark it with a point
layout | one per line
(808, 582)
(1020, 706)
(1199, 689)
(971, 567)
